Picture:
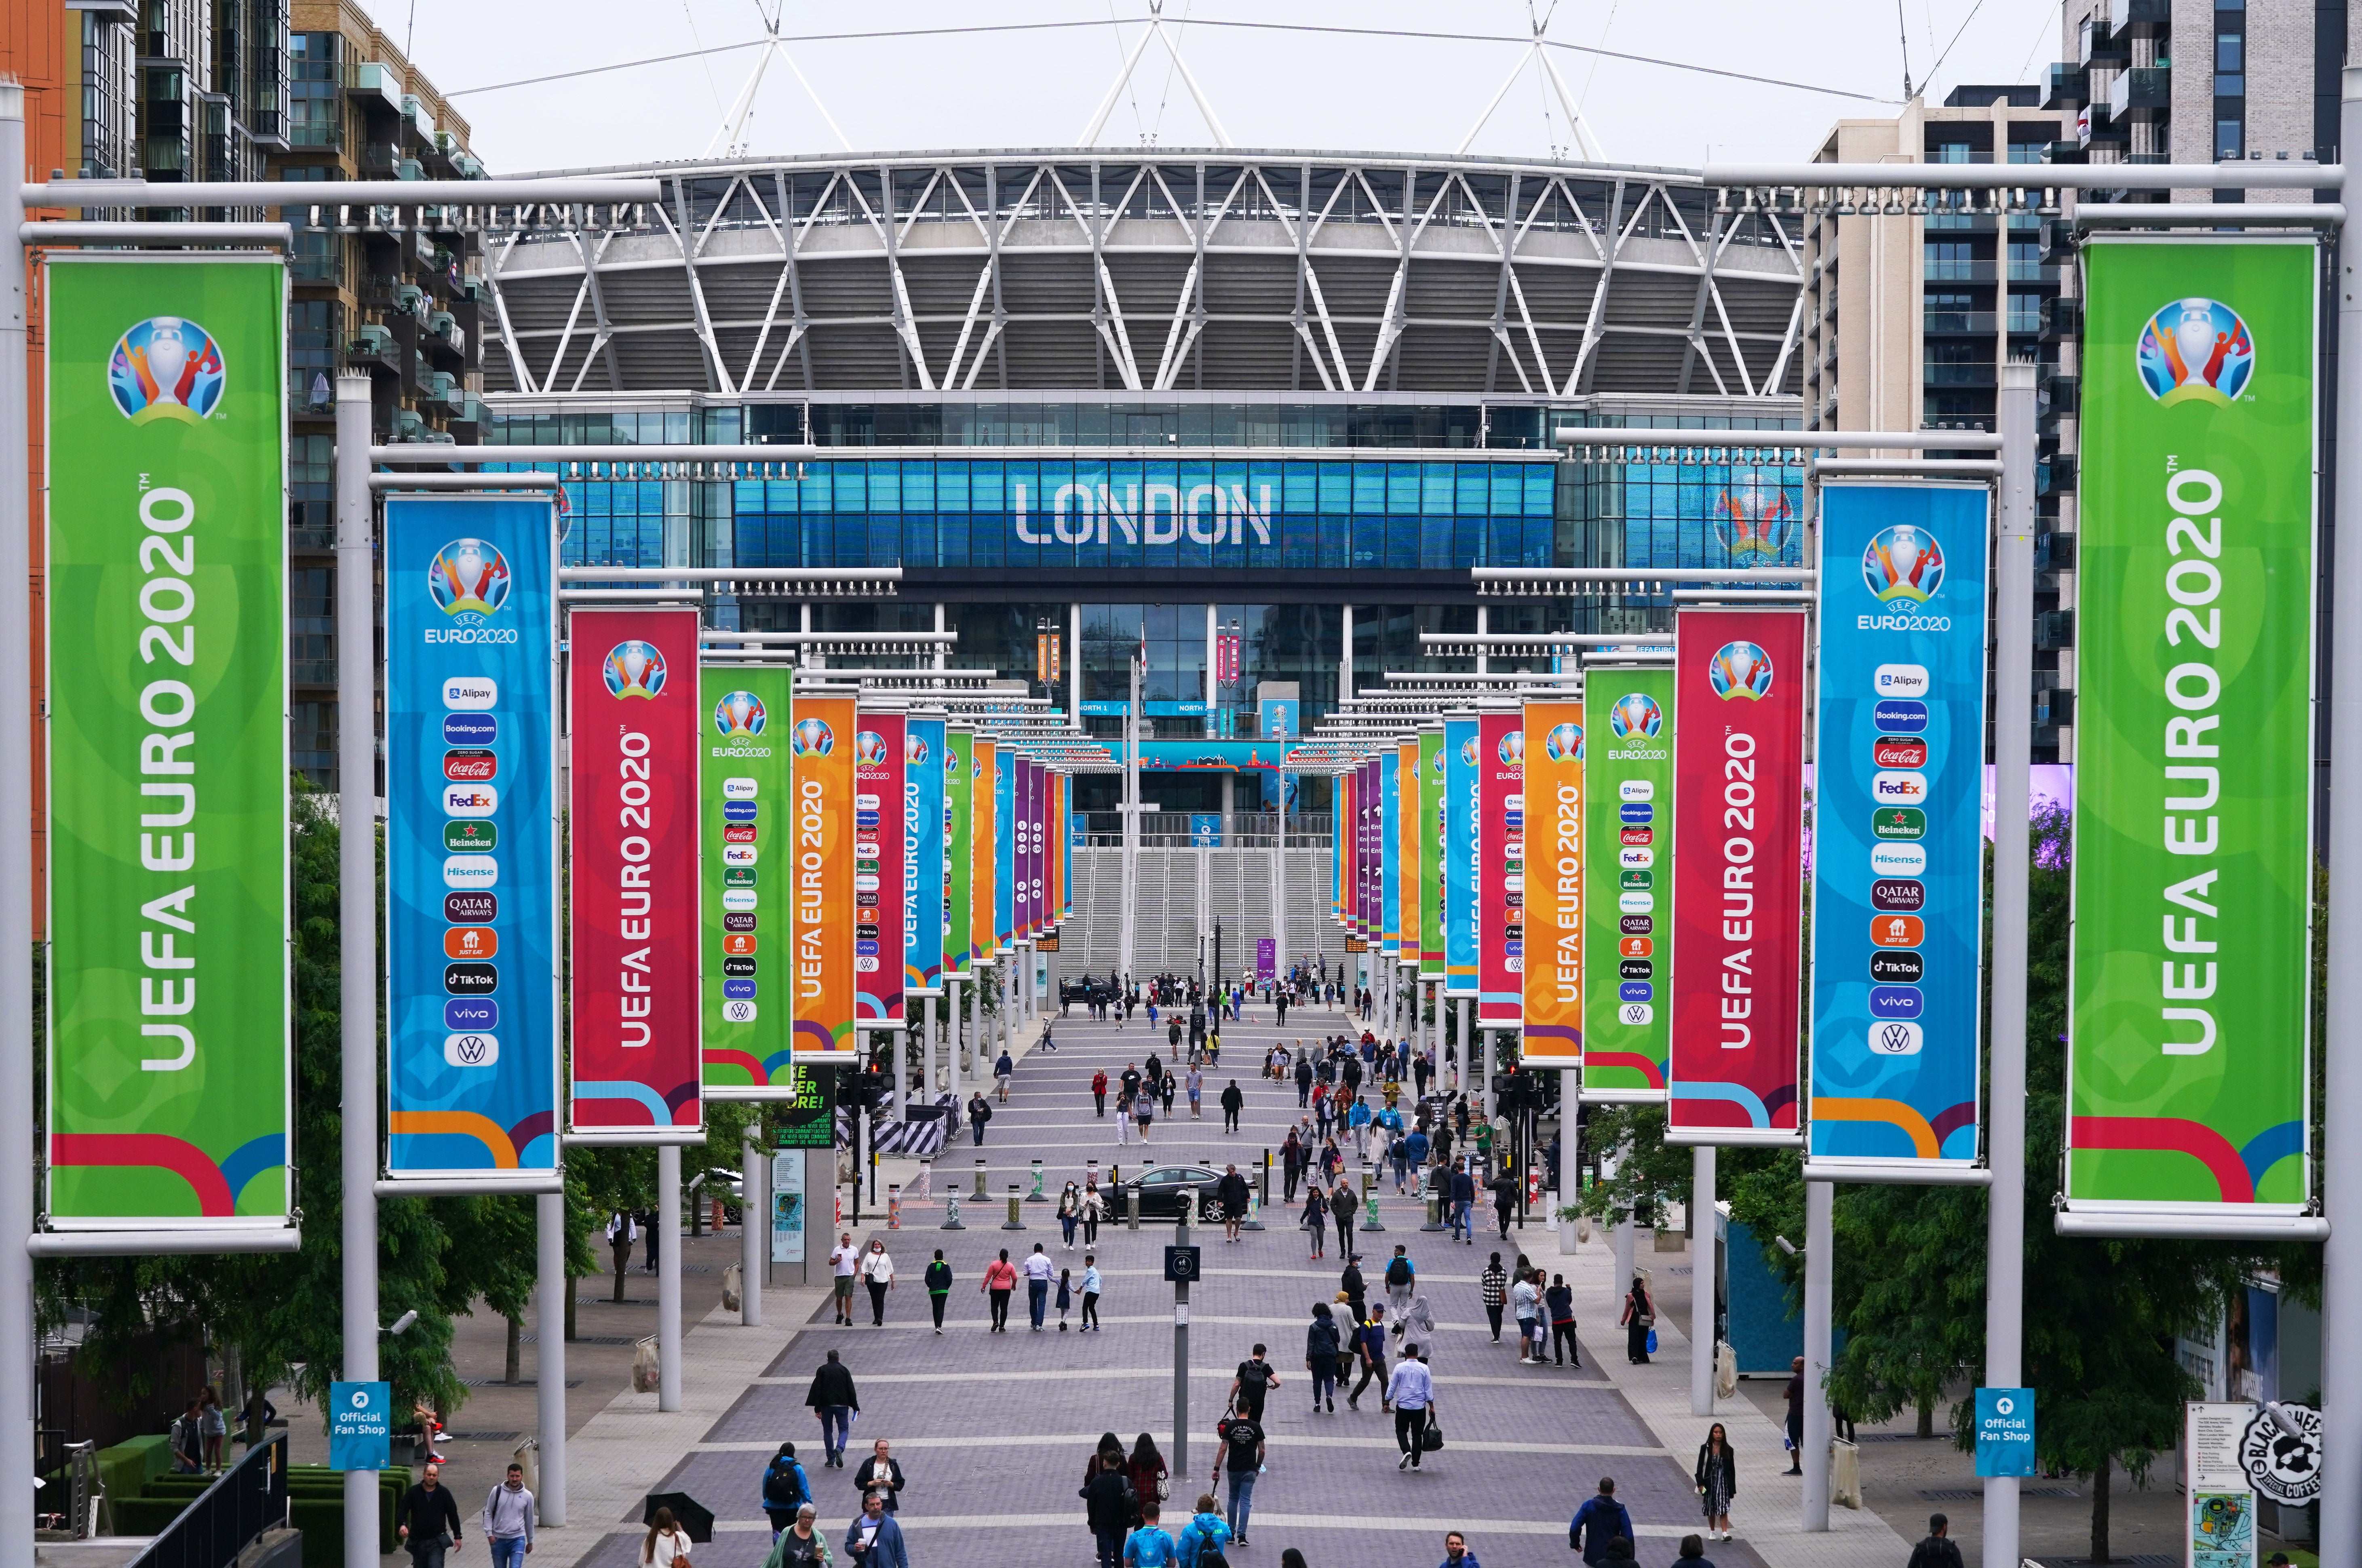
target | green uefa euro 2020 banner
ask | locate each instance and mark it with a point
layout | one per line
(169, 1068)
(2192, 845)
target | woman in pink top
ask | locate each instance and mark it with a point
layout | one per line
(1000, 1279)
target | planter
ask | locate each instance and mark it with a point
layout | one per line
(1566, 1238)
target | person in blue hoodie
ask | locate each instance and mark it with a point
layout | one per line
(786, 1488)
(1205, 1532)
(1600, 1520)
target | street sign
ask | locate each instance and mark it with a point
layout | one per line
(2005, 1431)
(360, 1426)
(1181, 1265)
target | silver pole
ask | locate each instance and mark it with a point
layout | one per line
(1701, 1267)
(549, 1358)
(927, 1010)
(952, 1037)
(1819, 1208)
(1279, 885)
(668, 1276)
(1131, 817)
(357, 910)
(1074, 663)
(2012, 757)
(18, 1197)
(1181, 1360)
(755, 1225)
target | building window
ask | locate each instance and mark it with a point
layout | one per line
(1951, 261)
(2230, 81)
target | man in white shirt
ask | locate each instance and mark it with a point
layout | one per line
(1037, 1270)
(844, 1260)
(1412, 1391)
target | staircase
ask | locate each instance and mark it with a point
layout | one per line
(1165, 938)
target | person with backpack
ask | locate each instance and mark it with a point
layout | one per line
(1321, 1346)
(1370, 1349)
(1601, 1520)
(1238, 1454)
(1202, 1539)
(1149, 1546)
(1108, 1504)
(1255, 1380)
(938, 1281)
(786, 1488)
(1402, 1280)
(1938, 1549)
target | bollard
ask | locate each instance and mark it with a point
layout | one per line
(1131, 1206)
(1265, 1178)
(1091, 1173)
(1434, 1201)
(981, 1194)
(951, 1212)
(1037, 1196)
(1015, 1220)
(893, 1206)
(1370, 1202)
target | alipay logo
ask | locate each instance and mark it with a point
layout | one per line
(1900, 680)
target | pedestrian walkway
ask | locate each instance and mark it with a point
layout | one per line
(993, 1431)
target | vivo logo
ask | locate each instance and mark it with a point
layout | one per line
(1636, 990)
(1894, 1001)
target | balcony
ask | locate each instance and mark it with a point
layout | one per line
(1954, 375)
(327, 135)
(2033, 271)
(2054, 551)
(2141, 95)
(2054, 706)
(2098, 44)
(312, 671)
(2068, 87)
(2062, 152)
(379, 82)
(380, 161)
(2055, 476)
(2054, 630)
(2062, 318)
(1946, 271)
(2059, 395)
(1969, 322)
(2131, 19)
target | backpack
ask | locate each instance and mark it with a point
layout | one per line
(1323, 1339)
(1398, 1271)
(1254, 1375)
(785, 1489)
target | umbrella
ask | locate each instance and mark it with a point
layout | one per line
(687, 1511)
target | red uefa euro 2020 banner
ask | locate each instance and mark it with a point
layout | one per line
(638, 1006)
(878, 851)
(1738, 816)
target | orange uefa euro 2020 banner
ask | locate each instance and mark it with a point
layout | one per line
(983, 853)
(1553, 976)
(822, 742)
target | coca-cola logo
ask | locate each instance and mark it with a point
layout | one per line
(1900, 751)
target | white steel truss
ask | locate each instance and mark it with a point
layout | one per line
(1207, 269)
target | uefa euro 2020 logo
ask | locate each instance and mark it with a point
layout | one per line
(914, 749)
(468, 576)
(1512, 748)
(1753, 521)
(870, 748)
(166, 368)
(634, 669)
(1636, 716)
(740, 715)
(1564, 743)
(1740, 670)
(1468, 751)
(812, 737)
(2196, 348)
(1902, 562)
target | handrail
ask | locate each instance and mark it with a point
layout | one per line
(250, 1497)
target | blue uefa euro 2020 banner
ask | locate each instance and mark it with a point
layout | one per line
(922, 857)
(1898, 854)
(1461, 843)
(471, 835)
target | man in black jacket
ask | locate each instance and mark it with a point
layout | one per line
(1938, 1550)
(1232, 1103)
(428, 1513)
(1231, 1192)
(832, 1398)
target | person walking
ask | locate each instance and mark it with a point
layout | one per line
(1197, 1086)
(802, 1544)
(1291, 1163)
(508, 1521)
(1418, 1327)
(1559, 1302)
(842, 1263)
(1321, 1344)
(622, 1233)
(428, 1522)
(1070, 1212)
(1505, 1201)
(1000, 1279)
(1693, 1554)
(1167, 1086)
(881, 1472)
(1938, 1550)
(832, 1399)
(877, 1274)
(1065, 1297)
(668, 1545)
(1252, 1383)
(1797, 1416)
(1463, 1201)
(1098, 1093)
(1402, 1282)
(1315, 1218)
(1343, 1204)
(1003, 1069)
(978, 1113)
(938, 1281)
(1239, 1450)
(1526, 1305)
(1411, 1392)
(1108, 1504)
(874, 1540)
(1639, 1317)
(1090, 1323)
(1717, 1480)
(1145, 1470)
(1232, 1192)
(1456, 1553)
(1493, 1286)
(1143, 1113)
(1370, 1349)
(1037, 1267)
(1122, 1119)
(1234, 1101)
(1350, 1282)
(1204, 1535)
(1303, 1082)
(1094, 1209)
(1600, 1520)
(786, 1489)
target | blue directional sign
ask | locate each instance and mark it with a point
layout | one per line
(360, 1426)
(2005, 1431)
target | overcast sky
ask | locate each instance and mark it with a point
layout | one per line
(1269, 89)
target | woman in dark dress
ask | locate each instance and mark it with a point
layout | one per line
(1717, 1481)
(1639, 1317)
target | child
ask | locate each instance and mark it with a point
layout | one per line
(1091, 1324)
(1066, 1296)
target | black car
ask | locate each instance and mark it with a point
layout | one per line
(1160, 1187)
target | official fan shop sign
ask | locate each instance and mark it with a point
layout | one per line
(744, 794)
(633, 823)
(2004, 1429)
(1739, 815)
(1501, 869)
(360, 1426)
(1551, 734)
(169, 1080)
(819, 876)
(471, 939)
(1625, 754)
(877, 883)
(2193, 868)
(1898, 862)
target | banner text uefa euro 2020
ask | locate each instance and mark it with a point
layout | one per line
(1501, 871)
(923, 867)
(1433, 916)
(959, 851)
(637, 1011)
(1552, 977)
(745, 790)
(1738, 801)
(1628, 933)
(2186, 1076)
(1463, 839)
(1898, 854)
(169, 1071)
(471, 945)
(821, 866)
(1404, 759)
(877, 883)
